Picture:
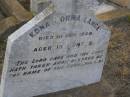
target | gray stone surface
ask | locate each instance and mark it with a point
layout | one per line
(56, 50)
(38, 5)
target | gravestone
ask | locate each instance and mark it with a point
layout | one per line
(61, 48)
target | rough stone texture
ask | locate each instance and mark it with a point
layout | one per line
(72, 39)
(112, 71)
(116, 75)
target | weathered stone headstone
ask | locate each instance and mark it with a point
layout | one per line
(37, 6)
(56, 50)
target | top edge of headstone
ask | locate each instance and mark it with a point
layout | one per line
(34, 21)
(44, 14)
